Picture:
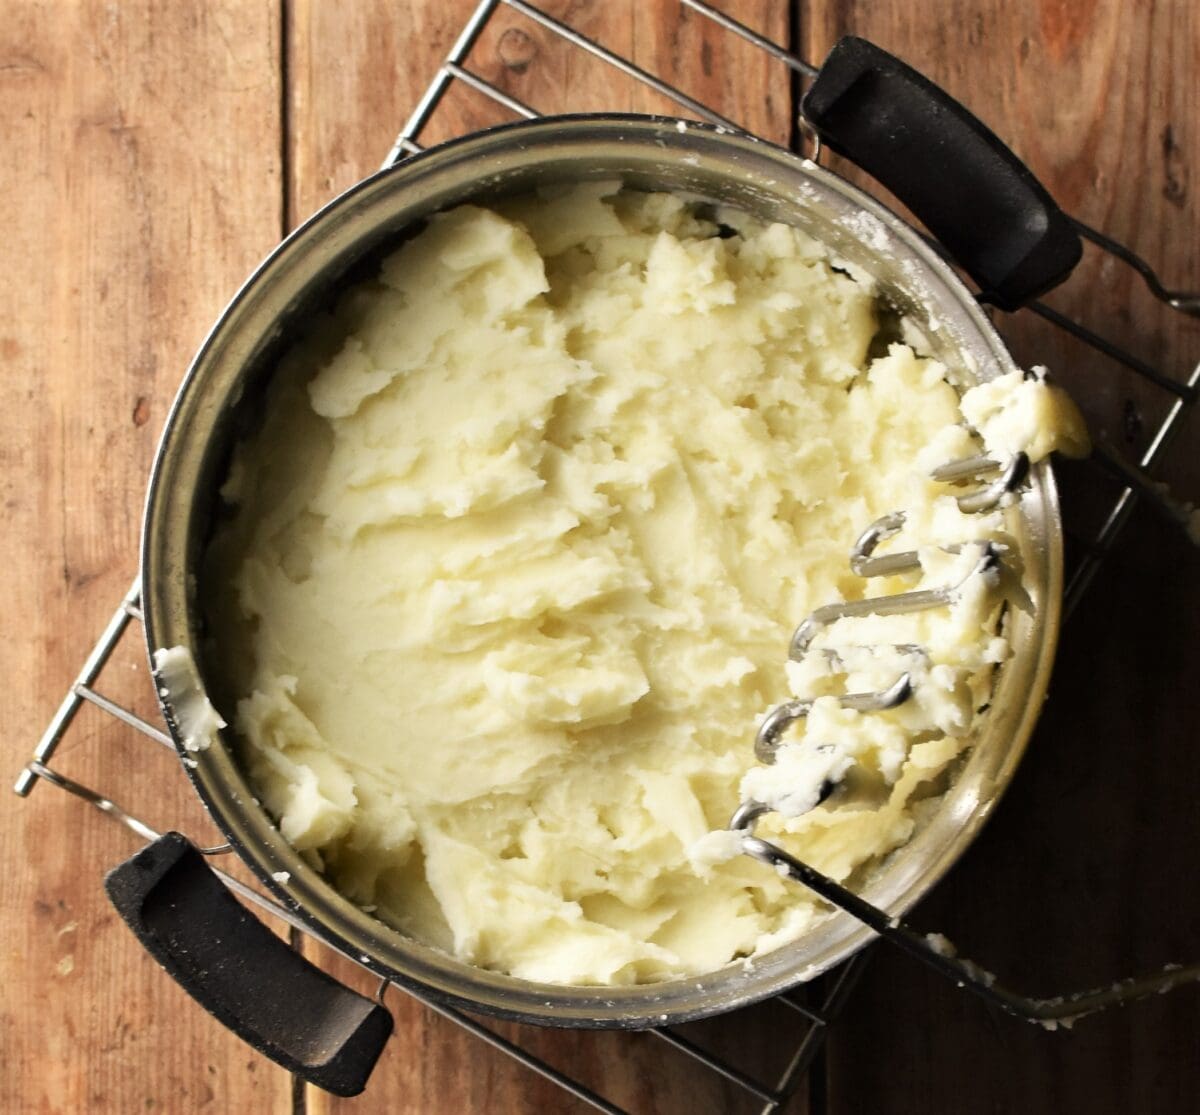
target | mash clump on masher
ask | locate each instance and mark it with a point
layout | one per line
(512, 562)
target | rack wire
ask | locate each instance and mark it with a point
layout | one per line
(812, 1021)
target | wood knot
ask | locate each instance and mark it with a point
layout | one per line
(517, 50)
(1131, 421)
(1175, 169)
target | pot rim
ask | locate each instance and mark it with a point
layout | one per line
(170, 608)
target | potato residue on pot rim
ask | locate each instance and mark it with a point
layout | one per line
(514, 557)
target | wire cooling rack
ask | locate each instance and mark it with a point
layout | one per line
(812, 1013)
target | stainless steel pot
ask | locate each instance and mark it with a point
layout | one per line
(320, 257)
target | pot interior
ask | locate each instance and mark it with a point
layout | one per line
(218, 402)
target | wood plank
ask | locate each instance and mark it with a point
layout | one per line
(173, 114)
(431, 1065)
(141, 182)
(355, 75)
(1077, 879)
(355, 72)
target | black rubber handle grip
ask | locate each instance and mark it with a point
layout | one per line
(985, 206)
(237, 969)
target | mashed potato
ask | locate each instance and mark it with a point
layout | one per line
(513, 562)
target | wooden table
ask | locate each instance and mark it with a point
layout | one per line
(155, 150)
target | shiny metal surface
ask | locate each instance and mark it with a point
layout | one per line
(782, 717)
(862, 559)
(865, 564)
(302, 274)
(897, 604)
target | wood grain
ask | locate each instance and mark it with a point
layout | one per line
(137, 193)
(162, 148)
(431, 1065)
(1081, 877)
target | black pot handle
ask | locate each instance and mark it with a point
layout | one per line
(237, 969)
(985, 206)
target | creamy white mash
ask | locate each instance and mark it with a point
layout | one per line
(515, 557)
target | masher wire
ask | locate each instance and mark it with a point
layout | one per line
(455, 68)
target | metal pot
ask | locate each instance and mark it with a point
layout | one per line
(318, 259)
